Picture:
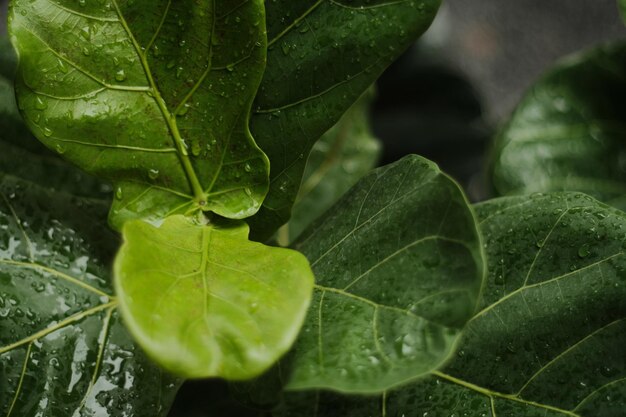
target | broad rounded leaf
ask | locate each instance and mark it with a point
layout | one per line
(153, 96)
(322, 56)
(568, 131)
(63, 349)
(204, 301)
(399, 267)
(549, 339)
(337, 161)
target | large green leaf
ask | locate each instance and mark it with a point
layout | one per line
(323, 54)
(151, 95)
(398, 265)
(337, 161)
(568, 131)
(204, 301)
(63, 350)
(549, 339)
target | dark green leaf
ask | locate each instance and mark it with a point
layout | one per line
(398, 267)
(337, 161)
(622, 6)
(63, 350)
(549, 339)
(568, 131)
(322, 56)
(151, 95)
(204, 301)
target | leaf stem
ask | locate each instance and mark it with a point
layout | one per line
(170, 118)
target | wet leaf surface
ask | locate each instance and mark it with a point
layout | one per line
(63, 348)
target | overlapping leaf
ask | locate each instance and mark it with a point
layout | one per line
(204, 301)
(398, 267)
(338, 160)
(152, 95)
(549, 339)
(63, 349)
(568, 132)
(323, 54)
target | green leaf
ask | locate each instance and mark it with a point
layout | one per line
(622, 6)
(549, 339)
(399, 268)
(337, 161)
(568, 131)
(153, 96)
(322, 56)
(63, 350)
(204, 301)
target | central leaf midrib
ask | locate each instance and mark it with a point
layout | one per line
(170, 118)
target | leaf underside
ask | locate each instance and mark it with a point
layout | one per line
(398, 267)
(549, 338)
(63, 349)
(322, 56)
(204, 301)
(153, 96)
(567, 133)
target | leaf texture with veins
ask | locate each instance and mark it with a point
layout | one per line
(549, 338)
(204, 301)
(322, 55)
(152, 95)
(63, 349)
(399, 268)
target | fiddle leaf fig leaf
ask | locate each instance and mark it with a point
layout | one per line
(153, 96)
(322, 56)
(63, 348)
(399, 267)
(567, 134)
(337, 161)
(204, 301)
(549, 338)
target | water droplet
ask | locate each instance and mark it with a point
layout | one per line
(60, 149)
(47, 132)
(120, 75)
(40, 104)
(247, 167)
(153, 174)
(584, 251)
(119, 193)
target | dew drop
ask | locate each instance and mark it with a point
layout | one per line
(120, 75)
(153, 174)
(118, 193)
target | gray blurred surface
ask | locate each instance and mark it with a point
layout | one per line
(503, 45)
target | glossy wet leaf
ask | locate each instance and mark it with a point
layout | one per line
(398, 267)
(568, 131)
(204, 301)
(322, 56)
(151, 95)
(549, 338)
(63, 349)
(337, 161)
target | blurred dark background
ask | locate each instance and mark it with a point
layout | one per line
(446, 96)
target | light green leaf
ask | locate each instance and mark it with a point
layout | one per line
(549, 339)
(63, 349)
(322, 56)
(204, 301)
(399, 268)
(337, 161)
(568, 131)
(153, 96)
